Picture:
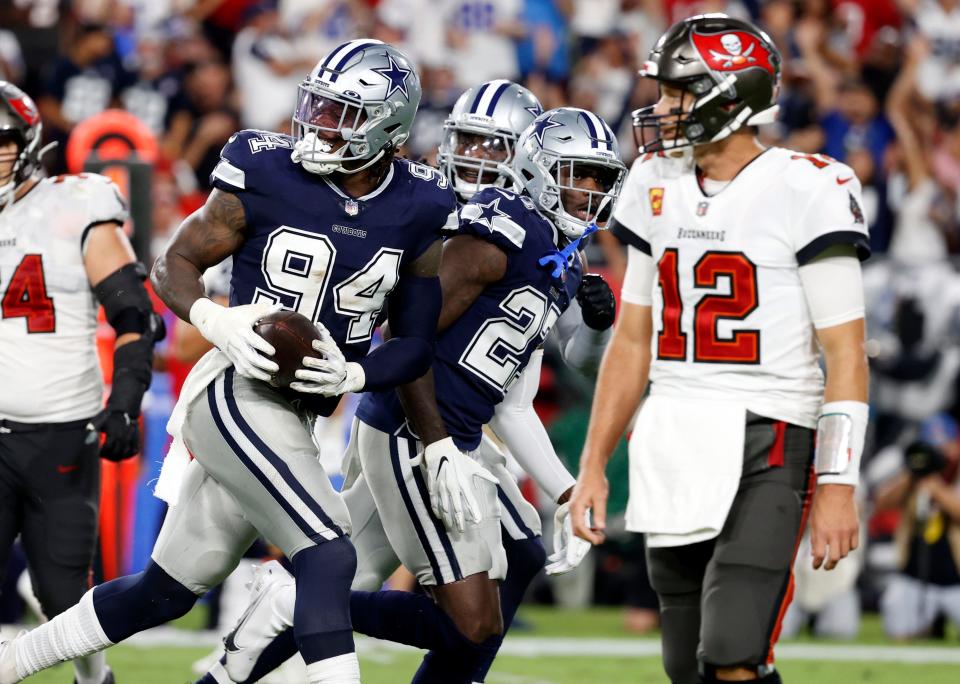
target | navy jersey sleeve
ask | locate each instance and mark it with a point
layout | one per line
(489, 215)
(230, 174)
(240, 168)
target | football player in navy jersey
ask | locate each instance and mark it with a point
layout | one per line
(326, 223)
(481, 135)
(502, 295)
(501, 298)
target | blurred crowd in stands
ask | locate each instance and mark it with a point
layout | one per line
(873, 83)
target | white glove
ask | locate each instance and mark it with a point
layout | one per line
(331, 375)
(230, 329)
(568, 549)
(450, 475)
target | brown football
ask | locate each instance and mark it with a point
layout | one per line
(291, 335)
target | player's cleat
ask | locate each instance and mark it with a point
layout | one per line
(8, 661)
(260, 623)
(107, 678)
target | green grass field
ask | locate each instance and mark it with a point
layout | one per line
(171, 665)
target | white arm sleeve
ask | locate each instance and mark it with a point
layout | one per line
(833, 287)
(580, 345)
(638, 281)
(519, 428)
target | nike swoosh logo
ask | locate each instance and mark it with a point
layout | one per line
(842, 181)
(229, 641)
(64, 469)
(443, 459)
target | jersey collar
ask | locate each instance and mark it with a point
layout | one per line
(745, 171)
(370, 195)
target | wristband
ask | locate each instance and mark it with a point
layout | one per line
(841, 432)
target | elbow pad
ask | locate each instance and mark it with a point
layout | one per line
(127, 304)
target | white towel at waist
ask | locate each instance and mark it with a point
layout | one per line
(177, 459)
(686, 459)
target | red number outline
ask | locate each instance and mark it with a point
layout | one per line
(26, 296)
(671, 340)
(744, 346)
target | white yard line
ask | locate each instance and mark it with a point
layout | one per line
(536, 647)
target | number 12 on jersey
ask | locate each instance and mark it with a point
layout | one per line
(743, 346)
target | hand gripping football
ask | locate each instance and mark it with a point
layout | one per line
(292, 335)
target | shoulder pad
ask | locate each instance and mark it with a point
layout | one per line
(100, 195)
(242, 155)
(495, 215)
(804, 172)
(433, 191)
(652, 167)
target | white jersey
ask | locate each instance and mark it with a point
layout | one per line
(730, 319)
(48, 359)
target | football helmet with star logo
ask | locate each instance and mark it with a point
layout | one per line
(568, 162)
(356, 106)
(729, 72)
(20, 124)
(481, 133)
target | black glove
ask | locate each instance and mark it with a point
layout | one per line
(122, 432)
(596, 301)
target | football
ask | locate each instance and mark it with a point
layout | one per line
(291, 335)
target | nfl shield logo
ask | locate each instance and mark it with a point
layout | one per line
(351, 207)
(702, 208)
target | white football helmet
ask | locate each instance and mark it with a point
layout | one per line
(357, 103)
(559, 147)
(481, 133)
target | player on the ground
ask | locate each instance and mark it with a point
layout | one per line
(326, 222)
(481, 136)
(63, 250)
(741, 260)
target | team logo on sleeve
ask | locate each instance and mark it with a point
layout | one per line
(656, 201)
(856, 210)
(732, 51)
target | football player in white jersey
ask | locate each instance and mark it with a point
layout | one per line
(742, 262)
(62, 254)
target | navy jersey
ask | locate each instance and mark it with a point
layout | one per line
(484, 351)
(314, 249)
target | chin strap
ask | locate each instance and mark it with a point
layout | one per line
(324, 168)
(560, 259)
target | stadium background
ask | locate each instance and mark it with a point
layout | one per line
(149, 90)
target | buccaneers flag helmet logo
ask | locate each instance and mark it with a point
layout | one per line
(732, 51)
